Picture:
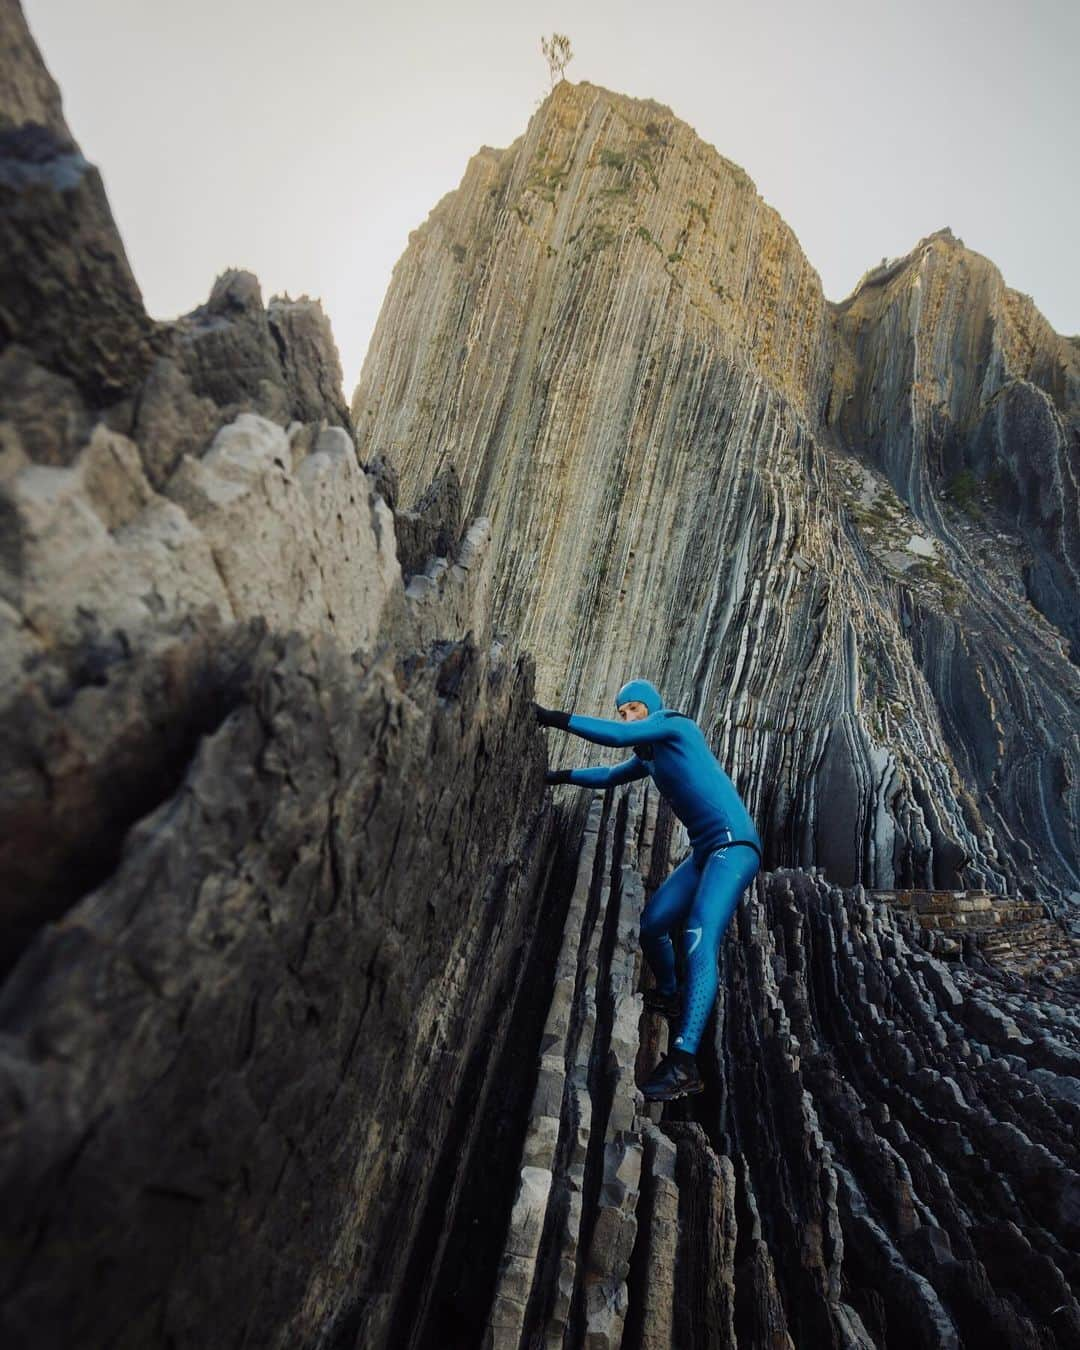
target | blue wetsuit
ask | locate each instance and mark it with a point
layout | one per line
(705, 889)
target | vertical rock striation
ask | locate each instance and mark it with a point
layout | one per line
(699, 470)
(960, 393)
(885, 1152)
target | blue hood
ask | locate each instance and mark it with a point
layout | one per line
(643, 692)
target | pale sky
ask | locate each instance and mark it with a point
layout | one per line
(304, 140)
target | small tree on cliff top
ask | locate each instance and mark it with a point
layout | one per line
(558, 55)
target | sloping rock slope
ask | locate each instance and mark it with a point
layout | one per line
(845, 537)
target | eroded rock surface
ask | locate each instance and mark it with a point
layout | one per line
(275, 858)
(844, 537)
(885, 1152)
(319, 1021)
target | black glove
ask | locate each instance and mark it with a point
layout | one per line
(558, 776)
(551, 717)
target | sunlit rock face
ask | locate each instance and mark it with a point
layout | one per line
(779, 509)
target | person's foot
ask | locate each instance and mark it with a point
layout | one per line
(675, 1076)
(668, 1005)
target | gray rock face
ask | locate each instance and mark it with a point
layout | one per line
(319, 1021)
(70, 300)
(264, 1031)
(845, 537)
(28, 93)
(109, 582)
(158, 484)
(274, 853)
(885, 1152)
(986, 415)
(432, 528)
(968, 402)
(279, 360)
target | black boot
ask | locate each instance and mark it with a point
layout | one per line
(675, 1076)
(668, 1005)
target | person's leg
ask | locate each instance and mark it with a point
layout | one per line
(669, 905)
(725, 875)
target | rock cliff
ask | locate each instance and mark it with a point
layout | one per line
(319, 1018)
(844, 537)
(275, 858)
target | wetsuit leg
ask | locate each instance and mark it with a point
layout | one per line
(725, 875)
(669, 906)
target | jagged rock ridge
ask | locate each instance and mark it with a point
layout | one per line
(275, 852)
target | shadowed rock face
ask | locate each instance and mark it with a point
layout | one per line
(274, 852)
(159, 484)
(70, 301)
(963, 395)
(319, 1022)
(431, 529)
(844, 537)
(254, 1034)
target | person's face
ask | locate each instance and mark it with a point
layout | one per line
(632, 711)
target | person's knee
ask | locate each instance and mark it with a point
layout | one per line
(652, 924)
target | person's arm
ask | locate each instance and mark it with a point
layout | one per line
(601, 775)
(608, 731)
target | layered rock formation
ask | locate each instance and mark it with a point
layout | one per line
(780, 510)
(885, 1151)
(319, 1021)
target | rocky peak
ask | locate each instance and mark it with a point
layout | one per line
(28, 93)
(700, 471)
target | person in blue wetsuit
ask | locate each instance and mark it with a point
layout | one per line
(704, 890)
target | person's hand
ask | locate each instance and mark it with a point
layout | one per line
(550, 717)
(557, 776)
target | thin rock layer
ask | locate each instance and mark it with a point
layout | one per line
(885, 1151)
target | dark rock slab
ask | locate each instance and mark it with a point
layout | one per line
(253, 1036)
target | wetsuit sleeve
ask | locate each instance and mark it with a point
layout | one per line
(610, 731)
(603, 776)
